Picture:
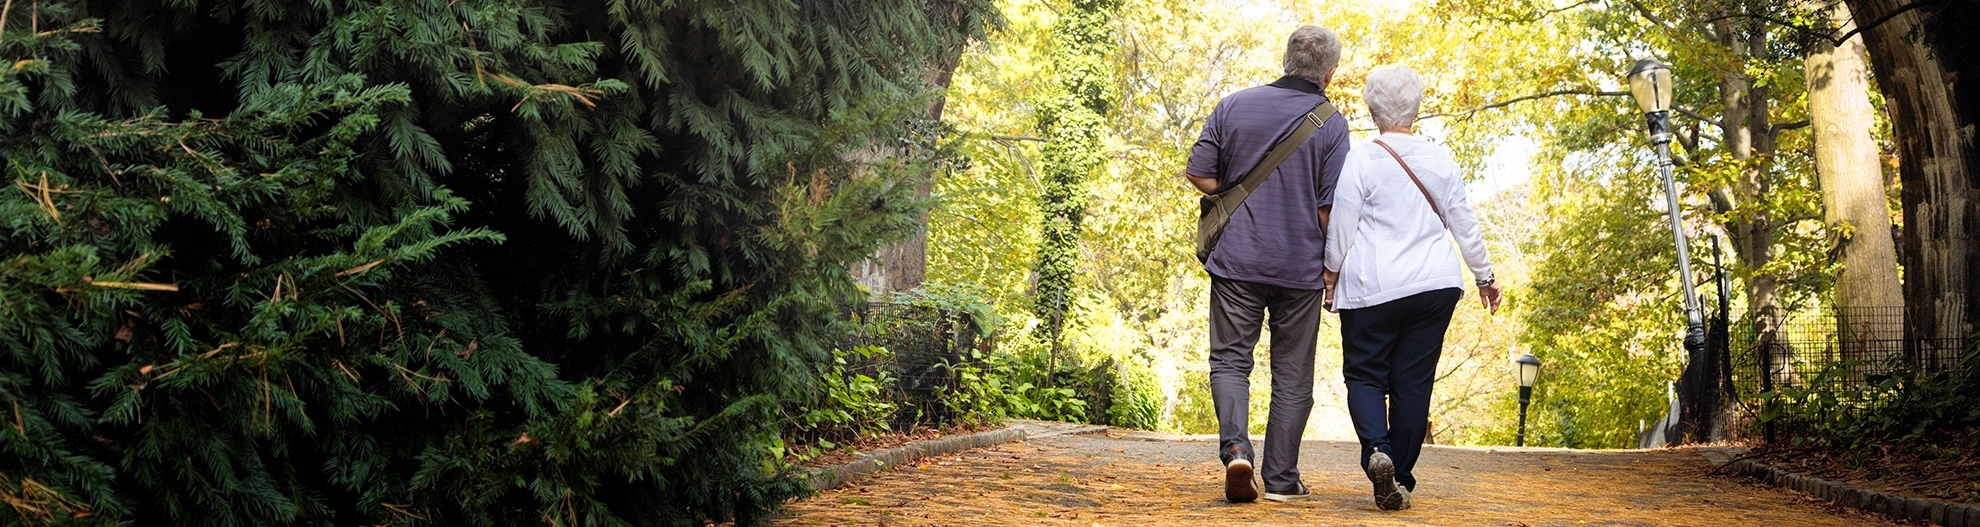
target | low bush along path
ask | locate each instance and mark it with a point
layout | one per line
(1141, 479)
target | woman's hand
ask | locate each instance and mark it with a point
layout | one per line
(1489, 296)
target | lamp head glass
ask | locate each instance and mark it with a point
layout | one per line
(1528, 369)
(1650, 82)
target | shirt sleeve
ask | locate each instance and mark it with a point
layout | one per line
(1346, 217)
(1336, 155)
(1205, 156)
(1464, 227)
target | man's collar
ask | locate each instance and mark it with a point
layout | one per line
(1298, 84)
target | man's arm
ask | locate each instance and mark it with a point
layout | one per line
(1206, 185)
(1327, 278)
(1203, 155)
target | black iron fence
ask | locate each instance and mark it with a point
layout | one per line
(1839, 349)
(922, 342)
(1841, 355)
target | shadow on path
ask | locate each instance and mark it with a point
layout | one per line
(1143, 479)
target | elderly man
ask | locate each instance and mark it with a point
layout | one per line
(1269, 259)
(1398, 281)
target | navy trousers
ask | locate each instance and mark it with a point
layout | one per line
(1389, 359)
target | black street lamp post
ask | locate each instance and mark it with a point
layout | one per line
(1528, 369)
(1650, 83)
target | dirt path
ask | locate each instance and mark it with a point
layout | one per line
(1140, 479)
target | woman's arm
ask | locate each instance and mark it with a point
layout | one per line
(1471, 241)
(1346, 214)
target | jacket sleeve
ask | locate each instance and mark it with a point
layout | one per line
(1343, 222)
(1464, 227)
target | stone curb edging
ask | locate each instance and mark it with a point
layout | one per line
(869, 463)
(1935, 511)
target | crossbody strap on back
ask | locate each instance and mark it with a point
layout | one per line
(1312, 122)
(1218, 207)
(1418, 182)
(1419, 188)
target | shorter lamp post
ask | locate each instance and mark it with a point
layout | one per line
(1528, 369)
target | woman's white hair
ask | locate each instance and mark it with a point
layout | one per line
(1311, 53)
(1394, 94)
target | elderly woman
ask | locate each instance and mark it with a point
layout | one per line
(1394, 280)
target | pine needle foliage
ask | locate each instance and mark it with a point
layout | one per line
(479, 262)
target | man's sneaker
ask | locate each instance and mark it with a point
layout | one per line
(1239, 487)
(1389, 495)
(1297, 493)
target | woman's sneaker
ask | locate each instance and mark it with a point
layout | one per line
(1389, 495)
(1297, 493)
(1239, 487)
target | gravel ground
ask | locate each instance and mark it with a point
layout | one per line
(1144, 479)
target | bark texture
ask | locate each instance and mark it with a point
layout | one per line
(1748, 132)
(1933, 97)
(1868, 293)
(903, 266)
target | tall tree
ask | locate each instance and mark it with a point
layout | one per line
(1074, 119)
(1925, 61)
(902, 266)
(1854, 202)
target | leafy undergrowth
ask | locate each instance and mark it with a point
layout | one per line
(1942, 466)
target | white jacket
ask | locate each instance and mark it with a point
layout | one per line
(1383, 238)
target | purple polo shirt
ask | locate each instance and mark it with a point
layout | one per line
(1275, 237)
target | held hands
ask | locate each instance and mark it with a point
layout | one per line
(1489, 296)
(1327, 293)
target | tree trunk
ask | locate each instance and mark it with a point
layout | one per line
(904, 265)
(1869, 298)
(1934, 110)
(1746, 128)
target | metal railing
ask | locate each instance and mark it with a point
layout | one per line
(1837, 349)
(923, 342)
(1842, 355)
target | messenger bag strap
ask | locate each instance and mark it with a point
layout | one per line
(1313, 121)
(1418, 182)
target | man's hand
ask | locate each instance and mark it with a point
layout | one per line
(1489, 296)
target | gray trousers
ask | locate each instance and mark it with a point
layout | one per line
(1237, 311)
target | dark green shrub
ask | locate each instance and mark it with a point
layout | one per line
(1136, 399)
(849, 402)
(477, 262)
(1905, 402)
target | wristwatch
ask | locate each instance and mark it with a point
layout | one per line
(1487, 281)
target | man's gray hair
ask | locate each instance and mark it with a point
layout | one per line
(1394, 94)
(1311, 53)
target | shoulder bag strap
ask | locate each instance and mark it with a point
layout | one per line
(1418, 182)
(1313, 120)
